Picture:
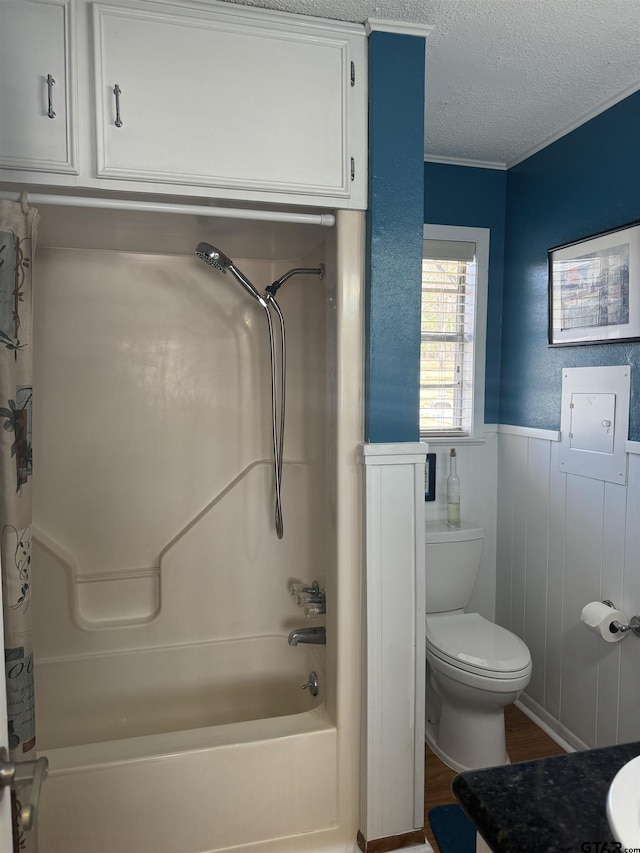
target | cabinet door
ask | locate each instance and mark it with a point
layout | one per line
(208, 101)
(36, 131)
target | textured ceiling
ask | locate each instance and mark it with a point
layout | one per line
(505, 76)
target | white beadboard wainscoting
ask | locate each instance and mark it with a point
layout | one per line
(562, 541)
(476, 467)
(392, 758)
(553, 543)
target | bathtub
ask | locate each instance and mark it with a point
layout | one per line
(185, 749)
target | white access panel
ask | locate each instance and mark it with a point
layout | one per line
(592, 421)
(595, 422)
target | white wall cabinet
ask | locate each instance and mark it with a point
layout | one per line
(36, 90)
(192, 99)
(211, 103)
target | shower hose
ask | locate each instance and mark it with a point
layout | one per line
(277, 423)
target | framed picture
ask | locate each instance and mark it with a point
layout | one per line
(594, 289)
(430, 478)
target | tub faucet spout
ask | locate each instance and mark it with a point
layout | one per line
(308, 635)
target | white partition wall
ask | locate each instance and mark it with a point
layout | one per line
(392, 759)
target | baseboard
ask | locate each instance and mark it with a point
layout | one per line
(415, 840)
(549, 725)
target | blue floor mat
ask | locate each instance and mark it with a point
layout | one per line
(452, 829)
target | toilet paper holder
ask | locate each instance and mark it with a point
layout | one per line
(634, 622)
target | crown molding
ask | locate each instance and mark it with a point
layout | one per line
(459, 161)
(575, 124)
(399, 27)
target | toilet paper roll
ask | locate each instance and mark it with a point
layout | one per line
(599, 618)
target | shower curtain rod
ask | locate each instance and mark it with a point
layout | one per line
(325, 219)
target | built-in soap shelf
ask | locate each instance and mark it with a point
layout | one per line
(124, 597)
(99, 601)
(130, 597)
(310, 597)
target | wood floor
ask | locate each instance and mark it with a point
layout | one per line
(525, 741)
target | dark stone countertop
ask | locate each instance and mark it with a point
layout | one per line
(551, 805)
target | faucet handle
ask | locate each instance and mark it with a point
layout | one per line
(312, 598)
(303, 589)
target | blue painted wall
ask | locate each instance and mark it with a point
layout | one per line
(394, 236)
(473, 197)
(586, 182)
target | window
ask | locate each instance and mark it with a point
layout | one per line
(455, 263)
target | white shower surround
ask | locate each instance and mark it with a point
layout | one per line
(195, 562)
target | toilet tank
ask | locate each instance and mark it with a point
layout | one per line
(452, 563)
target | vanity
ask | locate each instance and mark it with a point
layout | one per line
(551, 805)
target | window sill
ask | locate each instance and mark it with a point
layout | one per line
(459, 440)
(452, 440)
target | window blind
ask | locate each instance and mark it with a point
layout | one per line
(447, 339)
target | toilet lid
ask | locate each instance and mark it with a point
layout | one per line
(469, 640)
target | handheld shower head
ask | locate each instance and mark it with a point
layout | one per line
(217, 259)
(212, 256)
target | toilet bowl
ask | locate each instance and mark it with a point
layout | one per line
(476, 670)
(474, 667)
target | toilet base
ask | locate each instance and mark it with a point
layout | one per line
(470, 732)
(468, 741)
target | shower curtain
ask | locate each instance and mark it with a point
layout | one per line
(18, 227)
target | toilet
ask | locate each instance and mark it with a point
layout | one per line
(474, 667)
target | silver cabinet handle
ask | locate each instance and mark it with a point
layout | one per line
(15, 774)
(50, 84)
(117, 91)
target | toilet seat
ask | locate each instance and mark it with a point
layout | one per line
(471, 643)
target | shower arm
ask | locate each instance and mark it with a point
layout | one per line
(273, 288)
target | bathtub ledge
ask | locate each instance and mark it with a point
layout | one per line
(96, 756)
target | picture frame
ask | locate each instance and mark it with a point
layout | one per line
(430, 478)
(594, 289)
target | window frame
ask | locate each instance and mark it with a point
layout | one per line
(481, 237)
